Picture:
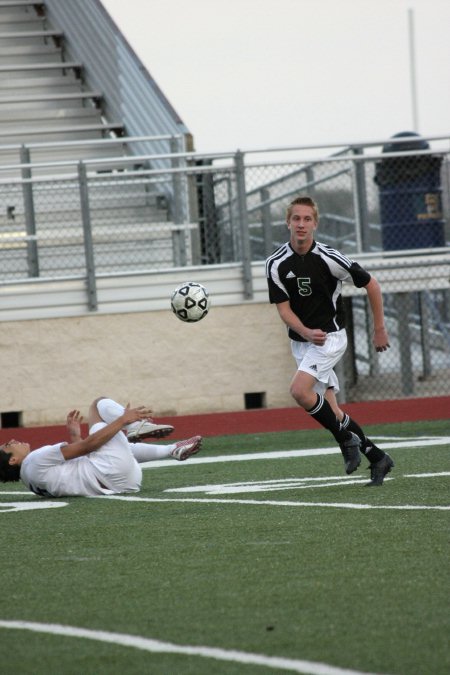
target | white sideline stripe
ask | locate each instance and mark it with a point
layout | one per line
(283, 454)
(11, 507)
(427, 475)
(269, 502)
(149, 645)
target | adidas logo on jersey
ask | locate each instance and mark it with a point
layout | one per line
(290, 275)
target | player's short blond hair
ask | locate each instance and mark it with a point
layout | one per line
(306, 201)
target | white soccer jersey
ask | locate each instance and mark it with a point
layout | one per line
(109, 470)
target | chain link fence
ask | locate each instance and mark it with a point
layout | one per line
(182, 210)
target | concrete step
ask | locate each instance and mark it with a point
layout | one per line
(81, 98)
(107, 204)
(18, 53)
(48, 80)
(42, 36)
(40, 100)
(27, 70)
(52, 115)
(17, 68)
(70, 154)
(28, 51)
(22, 23)
(67, 133)
(19, 5)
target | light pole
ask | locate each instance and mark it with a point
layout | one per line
(412, 68)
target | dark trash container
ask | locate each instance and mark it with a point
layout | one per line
(410, 195)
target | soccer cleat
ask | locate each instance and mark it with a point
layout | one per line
(184, 449)
(350, 451)
(138, 431)
(378, 470)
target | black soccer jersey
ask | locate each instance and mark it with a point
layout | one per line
(312, 283)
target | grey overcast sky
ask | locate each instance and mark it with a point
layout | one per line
(253, 74)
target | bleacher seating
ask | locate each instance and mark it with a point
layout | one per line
(51, 116)
(43, 94)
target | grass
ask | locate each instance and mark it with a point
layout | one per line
(362, 589)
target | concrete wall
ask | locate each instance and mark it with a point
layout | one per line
(51, 366)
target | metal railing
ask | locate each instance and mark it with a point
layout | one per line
(100, 217)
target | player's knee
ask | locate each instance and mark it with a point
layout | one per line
(94, 415)
(297, 393)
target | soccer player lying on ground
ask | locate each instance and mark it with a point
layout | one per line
(105, 462)
(305, 279)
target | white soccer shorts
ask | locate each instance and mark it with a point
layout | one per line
(319, 361)
(115, 464)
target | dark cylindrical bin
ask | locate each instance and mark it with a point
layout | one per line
(410, 194)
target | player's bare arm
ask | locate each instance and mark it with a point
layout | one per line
(314, 335)
(380, 337)
(102, 436)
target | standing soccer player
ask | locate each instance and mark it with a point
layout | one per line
(305, 279)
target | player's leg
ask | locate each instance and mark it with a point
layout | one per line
(372, 452)
(94, 416)
(109, 410)
(147, 452)
(315, 372)
(114, 463)
(304, 389)
(380, 462)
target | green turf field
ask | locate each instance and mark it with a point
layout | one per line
(263, 564)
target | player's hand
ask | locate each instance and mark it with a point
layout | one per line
(73, 421)
(315, 335)
(381, 340)
(142, 412)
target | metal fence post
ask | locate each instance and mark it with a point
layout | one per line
(424, 315)
(87, 237)
(30, 217)
(402, 303)
(360, 199)
(178, 237)
(243, 222)
(266, 221)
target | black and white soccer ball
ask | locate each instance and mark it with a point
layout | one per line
(190, 302)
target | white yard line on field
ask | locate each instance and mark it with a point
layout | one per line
(156, 646)
(307, 452)
(270, 502)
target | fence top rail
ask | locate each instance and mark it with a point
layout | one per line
(121, 140)
(349, 147)
(114, 161)
(407, 257)
(170, 271)
(135, 159)
(348, 144)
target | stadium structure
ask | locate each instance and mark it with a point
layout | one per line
(105, 207)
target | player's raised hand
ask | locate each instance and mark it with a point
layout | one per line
(142, 412)
(73, 422)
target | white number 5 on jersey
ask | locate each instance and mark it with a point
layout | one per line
(304, 285)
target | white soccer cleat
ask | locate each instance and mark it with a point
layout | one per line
(184, 449)
(139, 431)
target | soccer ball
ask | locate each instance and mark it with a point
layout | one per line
(190, 302)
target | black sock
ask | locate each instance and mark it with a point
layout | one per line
(371, 451)
(323, 414)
